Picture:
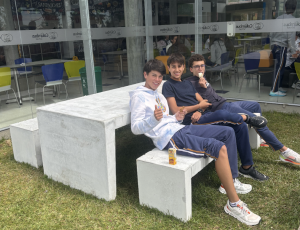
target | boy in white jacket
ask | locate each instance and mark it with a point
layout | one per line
(150, 116)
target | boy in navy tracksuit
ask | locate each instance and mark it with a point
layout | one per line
(150, 116)
(197, 65)
(182, 93)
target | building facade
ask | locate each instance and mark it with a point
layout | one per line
(121, 35)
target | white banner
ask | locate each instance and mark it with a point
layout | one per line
(179, 29)
(61, 35)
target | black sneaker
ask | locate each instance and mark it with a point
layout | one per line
(253, 173)
(257, 121)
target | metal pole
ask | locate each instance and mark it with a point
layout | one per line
(87, 45)
(198, 21)
(148, 23)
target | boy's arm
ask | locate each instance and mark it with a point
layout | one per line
(291, 42)
(141, 124)
(174, 108)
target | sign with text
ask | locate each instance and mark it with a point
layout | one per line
(212, 28)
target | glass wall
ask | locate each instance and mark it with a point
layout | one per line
(120, 35)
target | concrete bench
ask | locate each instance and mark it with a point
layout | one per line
(78, 140)
(26, 142)
(168, 187)
(254, 138)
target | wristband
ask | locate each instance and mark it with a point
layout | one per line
(200, 111)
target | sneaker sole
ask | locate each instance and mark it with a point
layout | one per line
(222, 190)
(283, 159)
(247, 176)
(277, 95)
(237, 217)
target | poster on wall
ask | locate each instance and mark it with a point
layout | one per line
(47, 6)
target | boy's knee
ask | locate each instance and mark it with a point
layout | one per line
(228, 130)
(257, 108)
(223, 152)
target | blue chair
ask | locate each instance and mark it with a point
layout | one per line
(105, 60)
(163, 53)
(53, 75)
(251, 61)
(26, 69)
(263, 41)
(224, 58)
(226, 65)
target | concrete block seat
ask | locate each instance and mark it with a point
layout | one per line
(78, 140)
(168, 187)
(26, 142)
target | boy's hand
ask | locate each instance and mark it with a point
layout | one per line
(204, 104)
(180, 114)
(202, 82)
(196, 116)
(158, 114)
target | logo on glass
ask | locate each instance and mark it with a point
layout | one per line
(53, 35)
(258, 26)
(176, 29)
(6, 37)
(214, 27)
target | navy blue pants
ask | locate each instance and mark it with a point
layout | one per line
(250, 107)
(279, 53)
(235, 121)
(206, 141)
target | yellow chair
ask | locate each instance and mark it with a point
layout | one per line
(266, 46)
(155, 53)
(5, 81)
(238, 37)
(164, 60)
(297, 67)
(72, 70)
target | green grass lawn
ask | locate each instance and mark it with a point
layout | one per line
(29, 200)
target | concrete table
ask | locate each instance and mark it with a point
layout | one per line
(78, 140)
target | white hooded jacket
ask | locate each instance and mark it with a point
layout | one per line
(142, 106)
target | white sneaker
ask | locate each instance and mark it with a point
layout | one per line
(240, 188)
(297, 86)
(282, 90)
(290, 156)
(277, 94)
(242, 213)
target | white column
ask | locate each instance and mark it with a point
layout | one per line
(133, 11)
(68, 47)
(6, 23)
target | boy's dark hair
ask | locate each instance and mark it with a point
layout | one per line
(290, 6)
(196, 57)
(175, 58)
(155, 65)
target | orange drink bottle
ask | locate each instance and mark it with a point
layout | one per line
(172, 156)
